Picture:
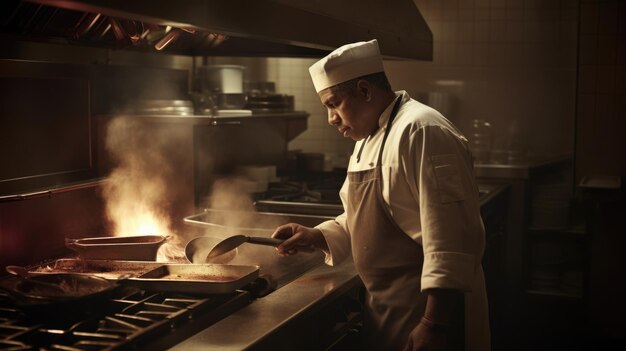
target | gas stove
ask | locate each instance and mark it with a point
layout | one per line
(315, 194)
(128, 319)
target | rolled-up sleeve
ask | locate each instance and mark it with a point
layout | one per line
(336, 234)
(337, 239)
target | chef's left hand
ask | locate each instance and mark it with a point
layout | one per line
(425, 338)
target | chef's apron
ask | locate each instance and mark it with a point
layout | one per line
(388, 261)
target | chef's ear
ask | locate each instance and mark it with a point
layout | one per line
(363, 88)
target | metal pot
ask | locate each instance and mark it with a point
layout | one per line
(224, 79)
(131, 248)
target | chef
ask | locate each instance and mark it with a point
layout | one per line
(411, 219)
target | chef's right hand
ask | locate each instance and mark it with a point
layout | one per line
(298, 238)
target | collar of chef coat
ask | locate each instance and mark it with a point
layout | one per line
(371, 147)
(384, 117)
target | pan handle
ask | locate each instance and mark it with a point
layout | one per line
(264, 241)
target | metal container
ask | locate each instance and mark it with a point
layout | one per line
(196, 278)
(225, 79)
(224, 223)
(107, 269)
(164, 107)
(261, 103)
(132, 248)
(229, 101)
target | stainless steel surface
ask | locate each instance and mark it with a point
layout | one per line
(53, 191)
(296, 207)
(227, 79)
(268, 102)
(268, 315)
(223, 223)
(164, 107)
(517, 171)
(333, 210)
(235, 241)
(196, 278)
(231, 101)
(246, 28)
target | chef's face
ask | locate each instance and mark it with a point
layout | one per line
(349, 111)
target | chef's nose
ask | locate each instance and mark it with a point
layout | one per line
(333, 118)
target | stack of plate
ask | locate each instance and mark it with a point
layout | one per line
(260, 103)
(164, 107)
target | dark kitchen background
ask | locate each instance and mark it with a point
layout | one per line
(537, 86)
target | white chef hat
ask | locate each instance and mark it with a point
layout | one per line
(347, 62)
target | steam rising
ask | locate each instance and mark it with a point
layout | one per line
(136, 193)
(142, 187)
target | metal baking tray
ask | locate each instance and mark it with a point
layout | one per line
(129, 248)
(196, 278)
(107, 269)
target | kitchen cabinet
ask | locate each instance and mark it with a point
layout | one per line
(556, 258)
(538, 225)
(556, 294)
(45, 113)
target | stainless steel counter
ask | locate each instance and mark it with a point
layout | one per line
(265, 316)
(517, 171)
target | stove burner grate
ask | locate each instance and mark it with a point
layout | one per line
(134, 320)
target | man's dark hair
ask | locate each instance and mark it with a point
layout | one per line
(378, 79)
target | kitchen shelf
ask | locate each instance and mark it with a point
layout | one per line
(556, 256)
(572, 231)
(554, 293)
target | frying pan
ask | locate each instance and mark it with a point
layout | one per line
(22, 273)
(83, 295)
(70, 286)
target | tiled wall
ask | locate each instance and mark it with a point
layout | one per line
(511, 62)
(602, 89)
(292, 77)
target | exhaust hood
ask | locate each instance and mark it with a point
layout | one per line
(272, 28)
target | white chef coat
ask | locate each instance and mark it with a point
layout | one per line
(429, 188)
